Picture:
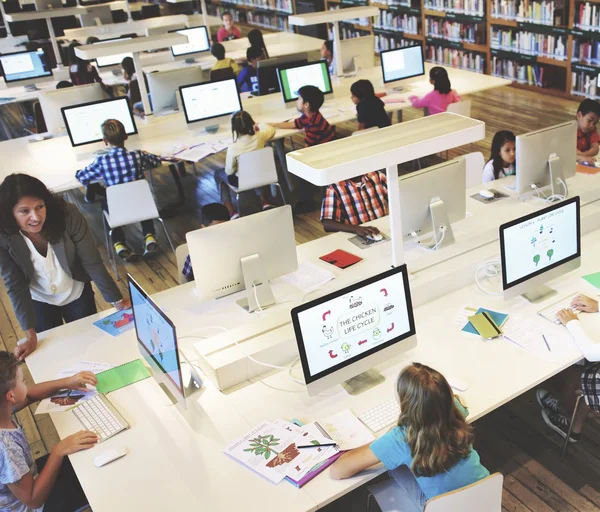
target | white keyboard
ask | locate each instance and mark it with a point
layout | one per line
(99, 415)
(382, 415)
(549, 312)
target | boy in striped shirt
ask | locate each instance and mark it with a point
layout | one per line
(317, 129)
(350, 203)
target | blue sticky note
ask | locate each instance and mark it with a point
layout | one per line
(498, 318)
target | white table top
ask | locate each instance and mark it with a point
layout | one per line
(58, 13)
(159, 133)
(161, 442)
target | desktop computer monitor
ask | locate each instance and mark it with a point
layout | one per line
(402, 63)
(112, 60)
(266, 70)
(539, 247)
(25, 68)
(431, 199)
(164, 85)
(198, 42)
(547, 157)
(292, 78)
(210, 103)
(54, 100)
(348, 332)
(83, 122)
(244, 255)
(357, 53)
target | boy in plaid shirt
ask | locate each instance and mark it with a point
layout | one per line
(212, 214)
(121, 166)
(350, 203)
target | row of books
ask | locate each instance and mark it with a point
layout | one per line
(383, 42)
(586, 51)
(456, 58)
(587, 16)
(530, 43)
(584, 84)
(271, 21)
(531, 74)
(450, 30)
(273, 5)
(365, 22)
(471, 7)
(400, 3)
(217, 10)
(348, 32)
(387, 20)
(538, 12)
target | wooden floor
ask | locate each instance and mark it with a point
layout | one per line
(513, 439)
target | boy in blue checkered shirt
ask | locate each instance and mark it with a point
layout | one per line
(121, 166)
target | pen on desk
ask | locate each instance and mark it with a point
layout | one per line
(323, 445)
(546, 342)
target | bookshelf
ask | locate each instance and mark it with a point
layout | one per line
(548, 45)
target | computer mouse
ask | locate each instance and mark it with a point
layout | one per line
(109, 455)
(377, 237)
(457, 383)
(487, 194)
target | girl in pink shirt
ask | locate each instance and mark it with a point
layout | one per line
(442, 95)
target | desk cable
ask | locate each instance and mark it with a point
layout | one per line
(492, 268)
(553, 197)
(418, 241)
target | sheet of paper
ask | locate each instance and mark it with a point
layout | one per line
(346, 430)
(117, 323)
(280, 117)
(196, 153)
(217, 146)
(268, 449)
(84, 366)
(309, 277)
(462, 316)
(310, 457)
(329, 112)
(528, 335)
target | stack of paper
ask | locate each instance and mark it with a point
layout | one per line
(346, 430)
(529, 336)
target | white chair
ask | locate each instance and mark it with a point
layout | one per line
(474, 163)
(181, 253)
(256, 169)
(482, 496)
(129, 203)
(462, 108)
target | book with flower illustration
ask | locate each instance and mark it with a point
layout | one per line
(270, 450)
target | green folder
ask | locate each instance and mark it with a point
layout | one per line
(593, 279)
(121, 376)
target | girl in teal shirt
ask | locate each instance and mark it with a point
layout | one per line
(430, 451)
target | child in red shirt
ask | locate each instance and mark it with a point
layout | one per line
(228, 31)
(588, 115)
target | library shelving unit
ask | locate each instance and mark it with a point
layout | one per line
(547, 45)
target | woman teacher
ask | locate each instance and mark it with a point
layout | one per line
(47, 259)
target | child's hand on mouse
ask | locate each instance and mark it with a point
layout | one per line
(365, 231)
(82, 440)
(78, 381)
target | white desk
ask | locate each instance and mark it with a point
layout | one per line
(161, 443)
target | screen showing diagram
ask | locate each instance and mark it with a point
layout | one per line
(534, 244)
(25, 65)
(402, 63)
(84, 122)
(310, 74)
(156, 335)
(348, 326)
(215, 99)
(197, 42)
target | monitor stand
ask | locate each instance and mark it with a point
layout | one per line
(190, 60)
(258, 289)
(402, 88)
(31, 88)
(539, 294)
(363, 382)
(442, 229)
(555, 169)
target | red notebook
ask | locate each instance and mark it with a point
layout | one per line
(341, 259)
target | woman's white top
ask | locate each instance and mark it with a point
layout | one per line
(589, 348)
(488, 172)
(50, 283)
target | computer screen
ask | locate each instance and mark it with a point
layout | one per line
(24, 66)
(315, 73)
(156, 334)
(402, 63)
(112, 60)
(198, 41)
(210, 99)
(83, 122)
(351, 324)
(539, 242)
(268, 80)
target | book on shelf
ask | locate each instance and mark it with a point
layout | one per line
(469, 7)
(462, 59)
(530, 43)
(387, 20)
(535, 12)
(587, 16)
(586, 52)
(385, 42)
(450, 30)
(584, 84)
(530, 74)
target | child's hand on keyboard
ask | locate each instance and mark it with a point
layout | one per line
(565, 316)
(83, 440)
(79, 380)
(585, 304)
